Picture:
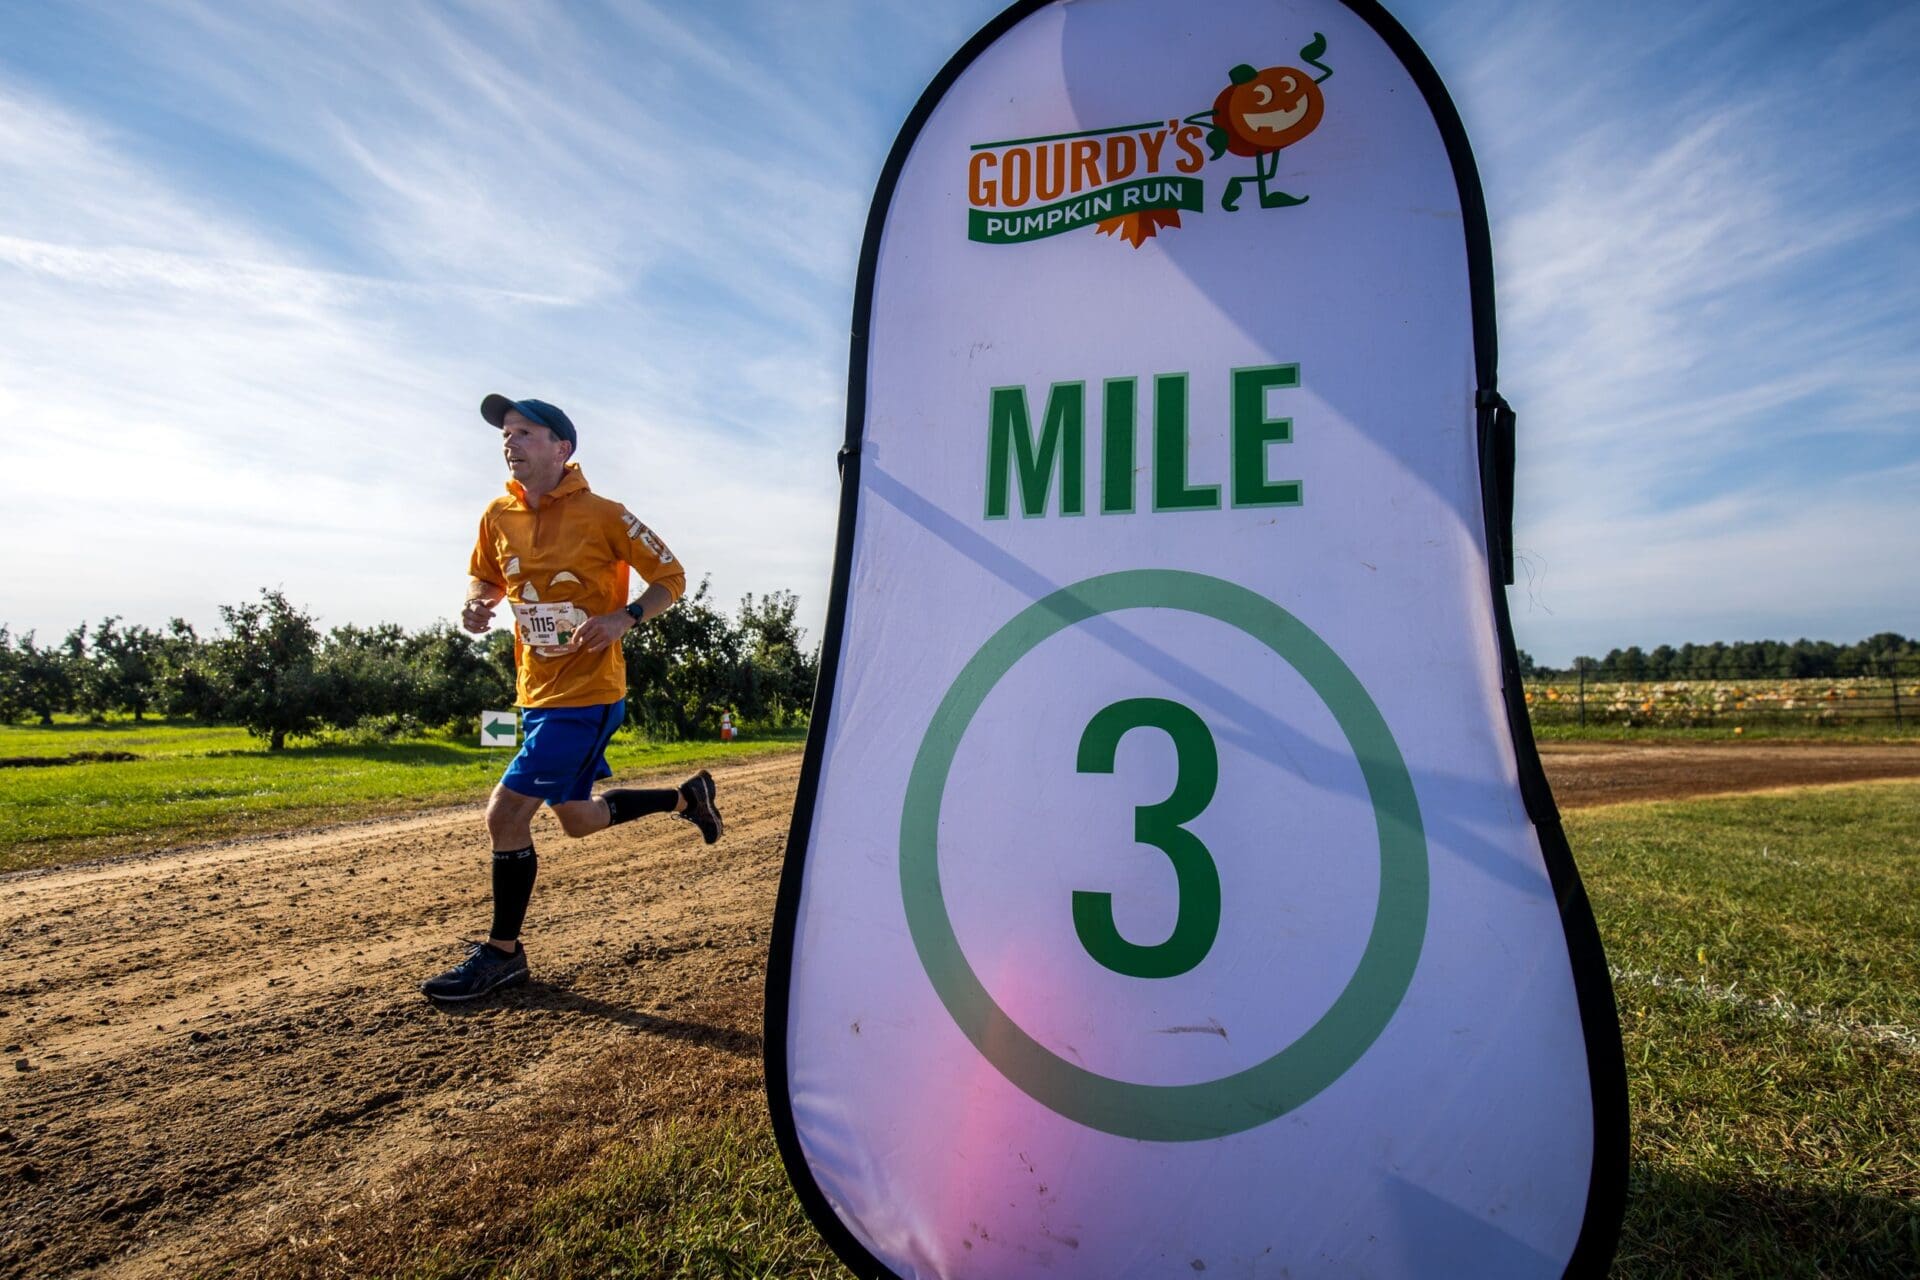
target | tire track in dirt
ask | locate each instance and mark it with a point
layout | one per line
(219, 1039)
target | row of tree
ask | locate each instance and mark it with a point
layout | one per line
(1878, 655)
(271, 669)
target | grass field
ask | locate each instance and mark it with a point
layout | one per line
(1767, 957)
(707, 1199)
(195, 782)
(1767, 963)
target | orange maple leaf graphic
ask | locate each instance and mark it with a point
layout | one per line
(1134, 228)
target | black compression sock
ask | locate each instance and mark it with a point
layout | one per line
(626, 805)
(513, 871)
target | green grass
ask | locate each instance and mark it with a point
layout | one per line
(695, 1200)
(1767, 953)
(146, 738)
(196, 782)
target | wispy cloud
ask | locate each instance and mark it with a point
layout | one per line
(1707, 321)
(274, 340)
(258, 263)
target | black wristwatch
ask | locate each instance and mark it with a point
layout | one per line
(635, 612)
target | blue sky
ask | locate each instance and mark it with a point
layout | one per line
(258, 264)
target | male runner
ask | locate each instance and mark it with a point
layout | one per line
(559, 554)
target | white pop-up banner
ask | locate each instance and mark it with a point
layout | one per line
(1173, 887)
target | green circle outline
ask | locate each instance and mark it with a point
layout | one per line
(1326, 1050)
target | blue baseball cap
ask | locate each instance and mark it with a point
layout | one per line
(494, 409)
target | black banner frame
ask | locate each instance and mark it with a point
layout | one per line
(1599, 1016)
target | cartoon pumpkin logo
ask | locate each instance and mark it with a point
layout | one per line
(1261, 112)
(1258, 114)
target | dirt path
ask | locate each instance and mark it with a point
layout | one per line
(223, 1046)
(1585, 774)
(215, 1034)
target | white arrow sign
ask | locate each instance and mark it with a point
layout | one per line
(499, 728)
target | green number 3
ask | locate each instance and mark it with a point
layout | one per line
(1197, 922)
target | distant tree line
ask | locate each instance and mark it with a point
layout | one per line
(1743, 660)
(272, 670)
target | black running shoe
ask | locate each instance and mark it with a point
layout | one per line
(485, 969)
(701, 810)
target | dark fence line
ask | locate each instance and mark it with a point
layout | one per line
(1890, 694)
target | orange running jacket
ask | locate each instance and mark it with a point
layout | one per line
(560, 565)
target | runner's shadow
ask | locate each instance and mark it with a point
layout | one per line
(543, 995)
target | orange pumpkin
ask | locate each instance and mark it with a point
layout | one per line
(1263, 111)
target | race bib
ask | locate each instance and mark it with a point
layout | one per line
(547, 629)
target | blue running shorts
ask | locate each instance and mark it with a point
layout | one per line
(564, 752)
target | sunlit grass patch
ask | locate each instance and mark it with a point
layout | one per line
(1767, 957)
(145, 738)
(695, 1200)
(1768, 952)
(1809, 895)
(192, 783)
